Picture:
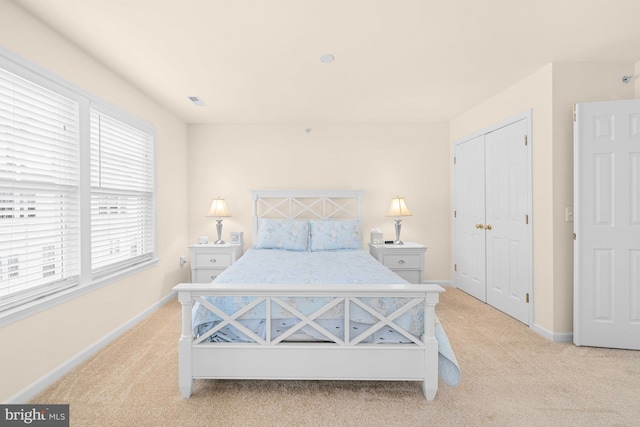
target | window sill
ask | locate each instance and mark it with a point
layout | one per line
(29, 309)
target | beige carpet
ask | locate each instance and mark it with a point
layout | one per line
(510, 377)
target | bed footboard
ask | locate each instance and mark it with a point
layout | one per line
(349, 350)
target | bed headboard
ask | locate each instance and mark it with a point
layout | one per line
(310, 204)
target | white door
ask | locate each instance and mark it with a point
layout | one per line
(508, 220)
(469, 218)
(607, 224)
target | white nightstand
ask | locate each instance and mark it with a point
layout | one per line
(407, 260)
(209, 260)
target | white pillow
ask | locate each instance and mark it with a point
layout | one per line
(336, 234)
(289, 234)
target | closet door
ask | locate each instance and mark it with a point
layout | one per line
(507, 219)
(470, 273)
(492, 225)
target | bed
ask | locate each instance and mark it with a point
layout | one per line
(307, 302)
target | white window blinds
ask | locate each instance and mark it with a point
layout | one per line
(39, 193)
(77, 191)
(122, 194)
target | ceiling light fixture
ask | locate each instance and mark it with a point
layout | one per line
(327, 58)
(197, 101)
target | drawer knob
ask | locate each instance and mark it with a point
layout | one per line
(213, 277)
(212, 260)
(401, 261)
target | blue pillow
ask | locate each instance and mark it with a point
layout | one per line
(331, 235)
(286, 234)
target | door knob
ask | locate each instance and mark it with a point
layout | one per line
(487, 227)
(479, 226)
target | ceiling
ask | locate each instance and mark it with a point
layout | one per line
(396, 61)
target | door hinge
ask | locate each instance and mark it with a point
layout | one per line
(526, 219)
(455, 267)
(527, 297)
(454, 160)
(526, 140)
(574, 236)
(574, 113)
(455, 214)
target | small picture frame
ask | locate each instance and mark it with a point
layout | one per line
(237, 237)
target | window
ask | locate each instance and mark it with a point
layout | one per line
(56, 196)
(38, 190)
(122, 231)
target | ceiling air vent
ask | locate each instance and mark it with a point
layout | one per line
(197, 101)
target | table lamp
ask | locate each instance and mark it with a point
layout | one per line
(218, 209)
(398, 209)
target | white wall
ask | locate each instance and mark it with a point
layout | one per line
(551, 93)
(38, 345)
(383, 160)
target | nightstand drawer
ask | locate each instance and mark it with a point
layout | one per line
(397, 261)
(213, 260)
(407, 260)
(411, 276)
(206, 275)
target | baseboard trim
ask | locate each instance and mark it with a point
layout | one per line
(46, 380)
(437, 282)
(553, 336)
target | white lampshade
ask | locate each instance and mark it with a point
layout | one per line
(218, 208)
(398, 207)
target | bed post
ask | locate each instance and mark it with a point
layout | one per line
(254, 217)
(430, 382)
(185, 379)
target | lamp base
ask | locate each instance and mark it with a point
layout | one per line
(219, 230)
(398, 227)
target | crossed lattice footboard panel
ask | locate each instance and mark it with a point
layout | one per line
(347, 333)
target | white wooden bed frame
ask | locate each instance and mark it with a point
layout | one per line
(346, 358)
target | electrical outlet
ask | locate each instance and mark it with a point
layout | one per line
(568, 214)
(183, 260)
